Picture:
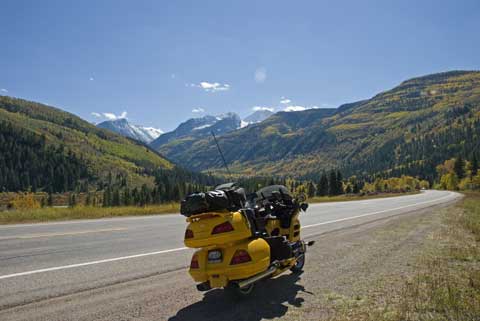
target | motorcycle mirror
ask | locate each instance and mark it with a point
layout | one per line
(304, 206)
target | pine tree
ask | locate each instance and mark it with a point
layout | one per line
(106, 197)
(50, 199)
(474, 166)
(126, 197)
(322, 186)
(72, 200)
(339, 188)
(88, 200)
(116, 198)
(459, 167)
(310, 189)
(332, 183)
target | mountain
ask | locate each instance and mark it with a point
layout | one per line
(198, 128)
(47, 148)
(406, 130)
(258, 116)
(123, 127)
(270, 140)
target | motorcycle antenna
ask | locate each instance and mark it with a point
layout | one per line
(221, 154)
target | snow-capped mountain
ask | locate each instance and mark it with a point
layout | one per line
(257, 117)
(199, 128)
(124, 128)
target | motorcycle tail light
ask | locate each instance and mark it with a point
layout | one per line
(194, 263)
(240, 256)
(188, 234)
(222, 228)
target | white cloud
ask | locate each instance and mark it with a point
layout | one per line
(323, 105)
(3, 90)
(198, 110)
(260, 75)
(210, 86)
(301, 108)
(92, 79)
(214, 87)
(111, 116)
(97, 115)
(285, 101)
(257, 108)
(295, 108)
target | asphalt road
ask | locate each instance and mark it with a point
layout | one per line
(39, 262)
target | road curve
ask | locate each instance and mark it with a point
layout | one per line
(44, 261)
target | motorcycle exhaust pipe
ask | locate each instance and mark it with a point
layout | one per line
(257, 277)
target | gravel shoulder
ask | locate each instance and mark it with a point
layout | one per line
(345, 269)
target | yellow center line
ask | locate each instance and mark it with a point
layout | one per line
(32, 236)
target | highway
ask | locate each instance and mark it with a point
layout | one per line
(50, 263)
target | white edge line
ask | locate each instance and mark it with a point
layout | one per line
(375, 213)
(64, 267)
(2, 277)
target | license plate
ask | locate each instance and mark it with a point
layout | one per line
(214, 256)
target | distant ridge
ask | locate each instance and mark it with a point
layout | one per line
(405, 130)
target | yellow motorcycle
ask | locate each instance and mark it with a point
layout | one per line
(242, 240)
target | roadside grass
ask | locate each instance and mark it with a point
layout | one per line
(354, 197)
(446, 281)
(82, 212)
(89, 212)
(448, 285)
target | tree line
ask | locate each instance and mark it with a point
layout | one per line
(27, 163)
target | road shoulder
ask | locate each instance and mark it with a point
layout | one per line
(348, 272)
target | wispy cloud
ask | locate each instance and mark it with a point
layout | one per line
(210, 86)
(109, 116)
(257, 108)
(198, 110)
(295, 108)
(301, 108)
(285, 101)
(92, 79)
(3, 90)
(260, 75)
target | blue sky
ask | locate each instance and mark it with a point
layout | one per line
(159, 60)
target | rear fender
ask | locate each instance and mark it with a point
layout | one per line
(220, 274)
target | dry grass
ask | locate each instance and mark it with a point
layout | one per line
(346, 198)
(82, 212)
(447, 287)
(446, 282)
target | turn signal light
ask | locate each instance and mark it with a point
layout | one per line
(194, 263)
(222, 228)
(188, 234)
(240, 256)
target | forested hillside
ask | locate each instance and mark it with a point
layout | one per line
(48, 149)
(409, 129)
(27, 163)
(259, 148)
